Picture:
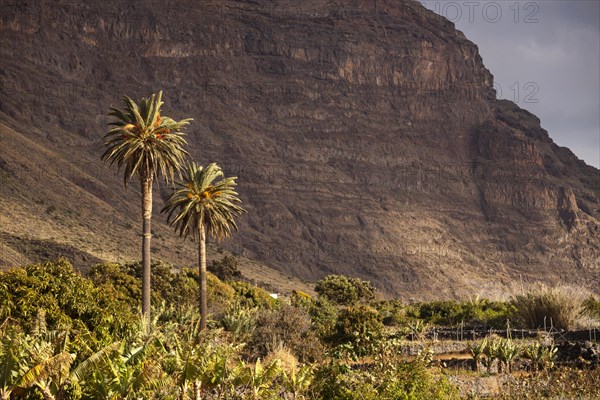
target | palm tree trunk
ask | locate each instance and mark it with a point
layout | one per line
(202, 266)
(147, 235)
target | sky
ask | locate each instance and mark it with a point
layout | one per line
(545, 56)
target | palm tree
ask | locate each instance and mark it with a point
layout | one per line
(203, 207)
(145, 144)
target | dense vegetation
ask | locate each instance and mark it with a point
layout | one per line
(68, 336)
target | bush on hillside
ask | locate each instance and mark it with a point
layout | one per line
(252, 296)
(341, 290)
(289, 327)
(473, 312)
(226, 269)
(358, 325)
(67, 299)
(174, 289)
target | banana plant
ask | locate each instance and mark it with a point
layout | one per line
(259, 380)
(123, 370)
(216, 369)
(38, 360)
(182, 360)
(13, 361)
(297, 383)
(50, 374)
(198, 361)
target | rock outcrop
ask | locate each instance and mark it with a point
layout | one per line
(366, 136)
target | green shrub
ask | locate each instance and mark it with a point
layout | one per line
(474, 312)
(339, 381)
(323, 316)
(344, 291)
(415, 382)
(394, 380)
(437, 312)
(220, 296)
(359, 325)
(240, 321)
(393, 312)
(172, 288)
(68, 299)
(164, 279)
(252, 296)
(183, 290)
(114, 277)
(225, 269)
(337, 289)
(364, 289)
(301, 299)
(492, 314)
(126, 278)
(288, 327)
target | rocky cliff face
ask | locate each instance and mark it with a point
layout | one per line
(366, 137)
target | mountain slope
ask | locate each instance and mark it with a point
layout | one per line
(366, 138)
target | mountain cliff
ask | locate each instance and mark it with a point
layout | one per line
(366, 136)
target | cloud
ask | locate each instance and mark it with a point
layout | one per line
(545, 56)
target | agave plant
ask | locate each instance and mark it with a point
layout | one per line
(240, 321)
(418, 329)
(477, 350)
(541, 356)
(490, 353)
(508, 351)
(145, 144)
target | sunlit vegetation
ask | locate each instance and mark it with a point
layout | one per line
(69, 336)
(207, 333)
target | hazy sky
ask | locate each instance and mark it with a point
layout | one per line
(545, 56)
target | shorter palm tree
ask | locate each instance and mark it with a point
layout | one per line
(202, 207)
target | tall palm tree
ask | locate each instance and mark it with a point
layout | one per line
(203, 207)
(145, 144)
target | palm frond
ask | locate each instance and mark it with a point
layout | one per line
(200, 201)
(54, 366)
(144, 143)
(93, 361)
